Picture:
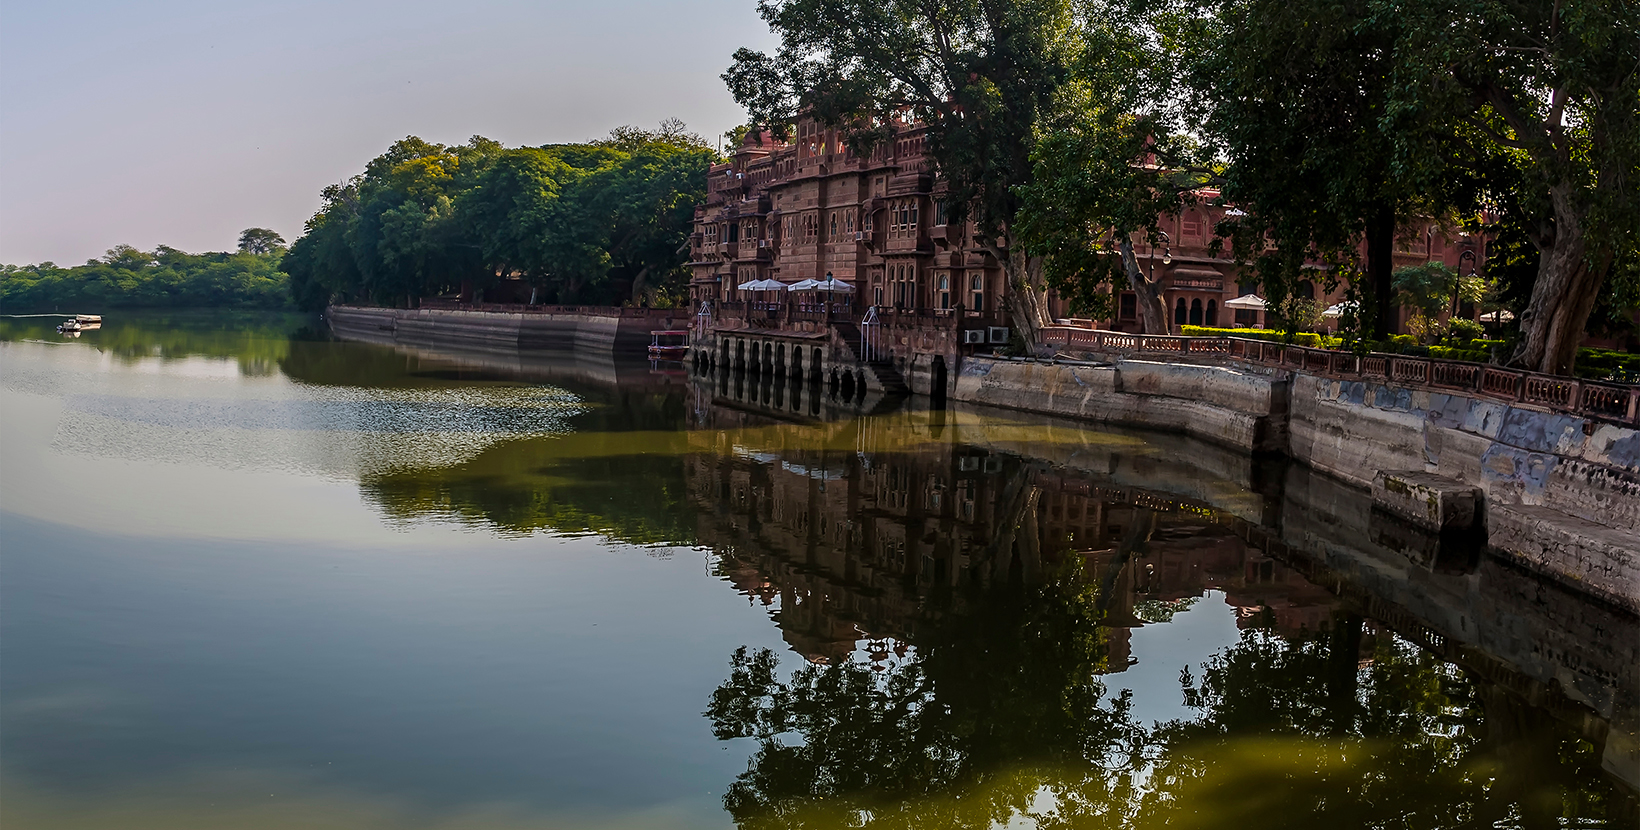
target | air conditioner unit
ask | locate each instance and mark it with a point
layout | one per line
(968, 464)
(998, 334)
(973, 336)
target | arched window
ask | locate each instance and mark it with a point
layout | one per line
(1179, 313)
(1212, 316)
(1195, 312)
(1306, 290)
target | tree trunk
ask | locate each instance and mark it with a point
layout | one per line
(1152, 307)
(1562, 298)
(1027, 298)
(1381, 269)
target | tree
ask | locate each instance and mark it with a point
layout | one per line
(1554, 89)
(1299, 98)
(596, 222)
(1431, 289)
(983, 78)
(260, 241)
(1112, 163)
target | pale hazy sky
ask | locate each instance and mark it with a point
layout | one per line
(182, 122)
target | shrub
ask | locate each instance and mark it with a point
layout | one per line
(1464, 330)
(1602, 364)
(1300, 338)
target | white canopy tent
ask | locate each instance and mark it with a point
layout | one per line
(1339, 310)
(1247, 302)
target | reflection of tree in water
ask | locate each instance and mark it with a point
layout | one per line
(995, 713)
(1342, 728)
(959, 734)
(258, 341)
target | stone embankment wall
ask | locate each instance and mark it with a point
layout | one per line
(533, 330)
(1554, 492)
(1229, 407)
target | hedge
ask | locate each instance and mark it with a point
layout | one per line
(1303, 338)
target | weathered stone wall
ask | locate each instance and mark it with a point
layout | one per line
(1559, 494)
(1213, 403)
(445, 327)
(1514, 454)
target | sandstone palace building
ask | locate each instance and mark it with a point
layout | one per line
(924, 292)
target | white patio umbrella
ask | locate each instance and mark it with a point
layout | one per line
(1338, 310)
(1250, 302)
(747, 286)
(803, 285)
(766, 285)
(834, 285)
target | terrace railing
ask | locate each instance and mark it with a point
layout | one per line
(1615, 402)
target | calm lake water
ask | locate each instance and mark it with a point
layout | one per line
(252, 576)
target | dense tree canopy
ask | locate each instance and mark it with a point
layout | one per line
(1066, 128)
(165, 277)
(597, 222)
(1520, 120)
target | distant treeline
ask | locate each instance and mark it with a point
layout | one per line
(162, 278)
(600, 222)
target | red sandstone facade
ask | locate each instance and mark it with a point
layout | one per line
(805, 209)
(811, 207)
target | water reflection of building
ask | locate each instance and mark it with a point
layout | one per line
(849, 544)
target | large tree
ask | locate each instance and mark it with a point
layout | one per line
(1555, 87)
(1298, 97)
(983, 76)
(1114, 160)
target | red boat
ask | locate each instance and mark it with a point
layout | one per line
(668, 345)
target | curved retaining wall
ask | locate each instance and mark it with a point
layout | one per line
(533, 330)
(1560, 493)
(1228, 407)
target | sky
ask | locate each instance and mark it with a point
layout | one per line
(183, 122)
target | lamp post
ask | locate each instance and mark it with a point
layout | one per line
(1457, 284)
(1167, 259)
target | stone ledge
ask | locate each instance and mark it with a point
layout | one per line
(1432, 502)
(1594, 558)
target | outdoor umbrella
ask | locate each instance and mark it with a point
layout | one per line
(747, 286)
(1338, 310)
(803, 285)
(1251, 302)
(834, 285)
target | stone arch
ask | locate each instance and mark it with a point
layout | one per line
(780, 359)
(818, 363)
(1212, 315)
(1196, 312)
(936, 388)
(797, 363)
(1179, 313)
(740, 354)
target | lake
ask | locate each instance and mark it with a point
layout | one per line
(255, 576)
